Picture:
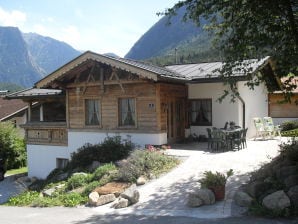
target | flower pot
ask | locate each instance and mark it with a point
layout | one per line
(219, 192)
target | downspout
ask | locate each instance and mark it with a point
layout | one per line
(243, 105)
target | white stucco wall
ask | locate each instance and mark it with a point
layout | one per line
(221, 112)
(42, 158)
(256, 105)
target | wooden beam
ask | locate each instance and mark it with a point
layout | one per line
(102, 87)
(89, 77)
(106, 82)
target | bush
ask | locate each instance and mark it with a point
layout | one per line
(77, 180)
(111, 150)
(72, 199)
(12, 146)
(143, 162)
(289, 125)
(290, 151)
(102, 170)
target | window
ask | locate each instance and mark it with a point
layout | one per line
(127, 113)
(92, 112)
(61, 163)
(201, 112)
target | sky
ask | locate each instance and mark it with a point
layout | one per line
(102, 26)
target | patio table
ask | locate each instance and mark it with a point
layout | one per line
(230, 136)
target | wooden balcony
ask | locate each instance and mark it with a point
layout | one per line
(46, 133)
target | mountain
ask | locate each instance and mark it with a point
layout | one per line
(26, 58)
(177, 42)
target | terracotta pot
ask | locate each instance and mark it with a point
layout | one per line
(219, 192)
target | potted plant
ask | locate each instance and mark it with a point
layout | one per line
(216, 182)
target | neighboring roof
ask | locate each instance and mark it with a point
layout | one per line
(211, 70)
(10, 107)
(29, 93)
(140, 68)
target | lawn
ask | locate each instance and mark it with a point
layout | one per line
(17, 171)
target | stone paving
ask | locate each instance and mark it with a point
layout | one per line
(8, 188)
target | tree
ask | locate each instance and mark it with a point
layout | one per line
(247, 29)
(12, 146)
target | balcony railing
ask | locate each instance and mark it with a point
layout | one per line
(46, 133)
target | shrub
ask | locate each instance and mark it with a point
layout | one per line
(111, 150)
(72, 199)
(12, 146)
(77, 180)
(102, 170)
(290, 151)
(215, 179)
(289, 125)
(143, 162)
(90, 187)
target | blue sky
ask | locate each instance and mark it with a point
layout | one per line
(96, 25)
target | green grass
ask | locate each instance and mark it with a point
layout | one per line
(17, 171)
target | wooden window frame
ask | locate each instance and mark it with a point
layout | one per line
(191, 111)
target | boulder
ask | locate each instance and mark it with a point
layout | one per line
(206, 195)
(121, 203)
(61, 176)
(48, 192)
(115, 188)
(293, 195)
(141, 180)
(105, 199)
(243, 199)
(80, 173)
(93, 198)
(194, 200)
(291, 181)
(276, 201)
(257, 188)
(131, 194)
(285, 172)
(93, 166)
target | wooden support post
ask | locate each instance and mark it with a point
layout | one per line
(102, 87)
(29, 111)
(41, 112)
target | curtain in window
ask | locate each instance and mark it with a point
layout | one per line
(92, 107)
(127, 111)
(201, 112)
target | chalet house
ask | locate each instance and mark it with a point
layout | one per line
(94, 96)
(13, 111)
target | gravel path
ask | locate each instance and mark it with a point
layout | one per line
(8, 188)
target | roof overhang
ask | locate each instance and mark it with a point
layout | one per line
(36, 94)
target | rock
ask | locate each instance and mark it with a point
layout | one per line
(93, 198)
(105, 199)
(194, 200)
(243, 199)
(61, 176)
(121, 203)
(24, 179)
(257, 188)
(141, 180)
(33, 179)
(131, 194)
(285, 172)
(293, 195)
(291, 181)
(206, 195)
(93, 166)
(276, 201)
(78, 190)
(48, 192)
(112, 188)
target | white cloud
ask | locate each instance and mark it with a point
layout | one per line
(71, 35)
(12, 18)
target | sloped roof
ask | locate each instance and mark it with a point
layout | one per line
(211, 70)
(34, 92)
(140, 68)
(10, 107)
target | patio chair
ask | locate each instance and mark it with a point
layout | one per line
(218, 140)
(270, 127)
(237, 140)
(260, 129)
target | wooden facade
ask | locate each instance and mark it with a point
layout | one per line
(282, 110)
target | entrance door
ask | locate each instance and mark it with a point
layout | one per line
(175, 120)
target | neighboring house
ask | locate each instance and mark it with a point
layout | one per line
(14, 111)
(281, 111)
(94, 96)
